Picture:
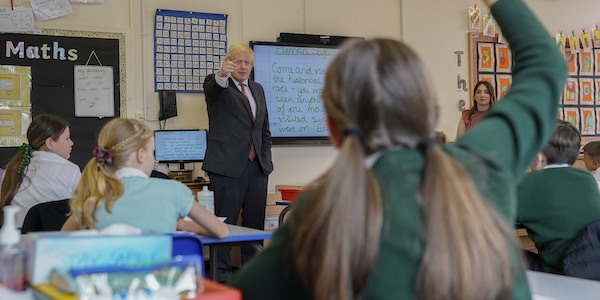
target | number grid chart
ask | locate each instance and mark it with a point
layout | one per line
(187, 47)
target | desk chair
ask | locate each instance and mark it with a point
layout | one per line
(188, 246)
(159, 174)
(284, 212)
(47, 216)
(582, 258)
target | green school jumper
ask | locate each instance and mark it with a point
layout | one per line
(554, 205)
(495, 152)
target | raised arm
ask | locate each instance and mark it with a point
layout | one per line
(517, 127)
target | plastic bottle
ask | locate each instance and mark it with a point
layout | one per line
(206, 198)
(12, 258)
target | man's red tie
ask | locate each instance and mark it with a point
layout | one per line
(252, 153)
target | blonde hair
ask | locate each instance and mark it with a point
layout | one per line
(42, 127)
(336, 243)
(98, 184)
(239, 48)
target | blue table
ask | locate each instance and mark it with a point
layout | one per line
(238, 235)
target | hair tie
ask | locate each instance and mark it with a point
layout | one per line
(353, 131)
(102, 156)
(27, 153)
(424, 145)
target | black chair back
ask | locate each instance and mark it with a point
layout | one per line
(47, 216)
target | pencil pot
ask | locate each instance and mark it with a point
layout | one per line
(206, 198)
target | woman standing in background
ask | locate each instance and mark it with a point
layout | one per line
(484, 97)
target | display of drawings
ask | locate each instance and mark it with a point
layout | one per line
(492, 61)
(187, 47)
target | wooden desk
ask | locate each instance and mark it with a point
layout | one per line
(238, 235)
(526, 242)
(196, 186)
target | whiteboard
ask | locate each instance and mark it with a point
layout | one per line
(292, 77)
(94, 91)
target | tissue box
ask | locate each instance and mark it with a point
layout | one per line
(47, 250)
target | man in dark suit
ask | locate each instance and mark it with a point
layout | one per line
(238, 154)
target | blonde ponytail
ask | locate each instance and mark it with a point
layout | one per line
(96, 187)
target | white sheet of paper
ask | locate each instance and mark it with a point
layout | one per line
(87, 1)
(18, 20)
(50, 9)
(94, 91)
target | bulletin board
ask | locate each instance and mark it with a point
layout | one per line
(490, 61)
(580, 102)
(51, 58)
(187, 46)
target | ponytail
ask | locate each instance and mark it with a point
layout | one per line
(97, 186)
(336, 240)
(13, 176)
(467, 252)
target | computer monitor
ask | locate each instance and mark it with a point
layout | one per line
(180, 146)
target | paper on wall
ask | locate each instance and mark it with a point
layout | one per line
(87, 1)
(19, 19)
(50, 9)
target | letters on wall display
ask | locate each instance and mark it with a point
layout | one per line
(53, 59)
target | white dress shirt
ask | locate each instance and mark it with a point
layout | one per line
(49, 177)
(224, 83)
(130, 172)
(597, 176)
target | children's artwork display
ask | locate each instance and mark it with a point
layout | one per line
(491, 61)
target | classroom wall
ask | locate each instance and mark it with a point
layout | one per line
(437, 33)
(434, 28)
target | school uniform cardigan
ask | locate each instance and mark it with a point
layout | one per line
(554, 205)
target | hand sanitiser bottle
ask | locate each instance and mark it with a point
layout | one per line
(206, 198)
(12, 259)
